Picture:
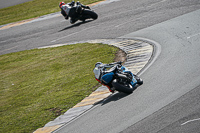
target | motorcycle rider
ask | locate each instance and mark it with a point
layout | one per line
(72, 10)
(101, 69)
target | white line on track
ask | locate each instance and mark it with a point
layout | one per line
(193, 35)
(72, 34)
(3, 41)
(190, 121)
(129, 21)
(154, 4)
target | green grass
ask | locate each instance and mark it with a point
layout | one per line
(32, 9)
(38, 85)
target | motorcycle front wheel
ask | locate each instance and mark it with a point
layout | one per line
(122, 88)
(89, 14)
(139, 80)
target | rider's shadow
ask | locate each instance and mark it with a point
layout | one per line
(75, 25)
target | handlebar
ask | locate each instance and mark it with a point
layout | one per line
(119, 62)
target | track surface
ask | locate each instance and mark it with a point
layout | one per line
(7, 3)
(169, 99)
(115, 19)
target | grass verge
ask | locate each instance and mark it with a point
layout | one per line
(32, 9)
(38, 85)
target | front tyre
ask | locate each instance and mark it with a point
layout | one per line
(122, 88)
(90, 14)
(139, 80)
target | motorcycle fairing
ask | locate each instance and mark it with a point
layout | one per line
(107, 78)
(134, 81)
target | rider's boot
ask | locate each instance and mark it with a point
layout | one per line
(112, 89)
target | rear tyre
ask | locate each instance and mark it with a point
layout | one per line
(121, 88)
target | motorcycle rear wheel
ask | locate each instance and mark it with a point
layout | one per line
(121, 88)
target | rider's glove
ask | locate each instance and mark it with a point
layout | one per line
(72, 3)
(87, 7)
(77, 3)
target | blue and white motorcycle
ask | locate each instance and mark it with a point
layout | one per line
(116, 77)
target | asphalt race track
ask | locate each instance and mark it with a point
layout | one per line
(7, 3)
(115, 19)
(169, 99)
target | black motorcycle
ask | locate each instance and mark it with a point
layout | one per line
(81, 12)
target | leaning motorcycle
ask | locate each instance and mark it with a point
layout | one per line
(116, 77)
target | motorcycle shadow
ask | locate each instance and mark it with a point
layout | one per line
(76, 25)
(115, 97)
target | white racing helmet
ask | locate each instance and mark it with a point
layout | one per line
(97, 70)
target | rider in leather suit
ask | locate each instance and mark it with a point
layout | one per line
(72, 10)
